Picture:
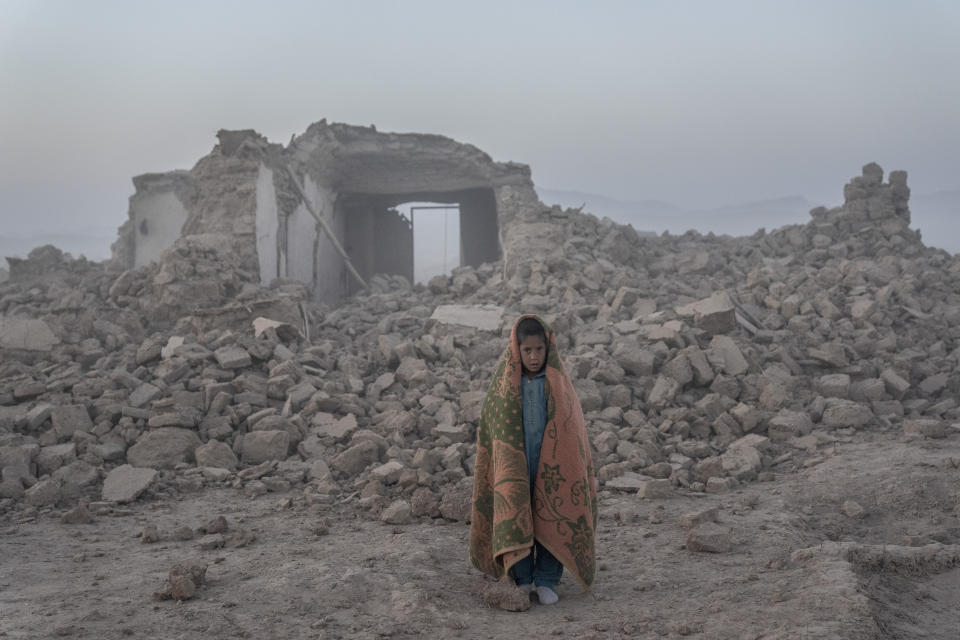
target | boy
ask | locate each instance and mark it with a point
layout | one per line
(534, 506)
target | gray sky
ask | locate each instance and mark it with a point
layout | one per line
(697, 103)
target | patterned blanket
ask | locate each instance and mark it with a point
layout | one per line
(562, 513)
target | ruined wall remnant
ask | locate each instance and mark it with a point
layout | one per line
(350, 176)
(871, 208)
(158, 210)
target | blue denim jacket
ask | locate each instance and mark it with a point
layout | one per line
(534, 419)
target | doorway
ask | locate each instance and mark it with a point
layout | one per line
(436, 238)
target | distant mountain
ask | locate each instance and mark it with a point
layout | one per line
(936, 215)
(658, 216)
(94, 245)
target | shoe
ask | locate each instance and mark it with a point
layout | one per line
(546, 595)
(526, 588)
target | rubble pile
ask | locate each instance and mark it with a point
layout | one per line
(700, 361)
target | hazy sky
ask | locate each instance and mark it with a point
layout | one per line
(697, 103)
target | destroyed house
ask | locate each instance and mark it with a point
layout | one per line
(321, 210)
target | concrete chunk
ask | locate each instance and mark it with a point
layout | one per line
(356, 458)
(714, 315)
(261, 446)
(629, 481)
(215, 454)
(925, 427)
(655, 489)
(896, 386)
(26, 334)
(126, 483)
(163, 448)
(728, 355)
(339, 430)
(232, 357)
(43, 494)
(709, 538)
(485, 317)
(143, 394)
(69, 419)
(846, 413)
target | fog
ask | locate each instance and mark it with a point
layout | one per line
(698, 105)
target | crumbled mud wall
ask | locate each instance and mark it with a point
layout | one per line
(349, 176)
(157, 213)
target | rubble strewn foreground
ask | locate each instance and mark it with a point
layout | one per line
(703, 363)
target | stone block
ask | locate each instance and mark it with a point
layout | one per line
(143, 394)
(338, 430)
(51, 458)
(655, 489)
(589, 393)
(697, 518)
(454, 433)
(215, 454)
(356, 458)
(788, 424)
(714, 315)
(485, 317)
(634, 359)
(932, 385)
(262, 446)
(896, 386)
(126, 483)
(38, 415)
(26, 334)
(388, 473)
(727, 356)
(44, 493)
(629, 481)
(232, 357)
(397, 512)
(456, 502)
(664, 391)
(709, 538)
(679, 369)
(834, 385)
(846, 413)
(163, 448)
(925, 427)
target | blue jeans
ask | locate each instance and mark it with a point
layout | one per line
(540, 568)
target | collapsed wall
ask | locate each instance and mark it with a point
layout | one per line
(348, 179)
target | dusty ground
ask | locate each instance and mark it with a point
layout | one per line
(365, 579)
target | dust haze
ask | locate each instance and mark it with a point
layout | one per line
(242, 366)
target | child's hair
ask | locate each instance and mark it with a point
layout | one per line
(530, 327)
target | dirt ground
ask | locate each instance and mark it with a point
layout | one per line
(803, 564)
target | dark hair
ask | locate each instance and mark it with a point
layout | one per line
(530, 327)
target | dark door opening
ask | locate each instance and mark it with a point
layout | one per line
(419, 235)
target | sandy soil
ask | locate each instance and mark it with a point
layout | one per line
(799, 566)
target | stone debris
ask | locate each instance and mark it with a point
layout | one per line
(696, 518)
(505, 595)
(163, 448)
(80, 514)
(125, 483)
(710, 538)
(701, 362)
(852, 509)
(398, 512)
(925, 428)
(482, 317)
(150, 534)
(26, 334)
(217, 525)
(183, 580)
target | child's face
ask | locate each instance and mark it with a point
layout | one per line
(533, 353)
